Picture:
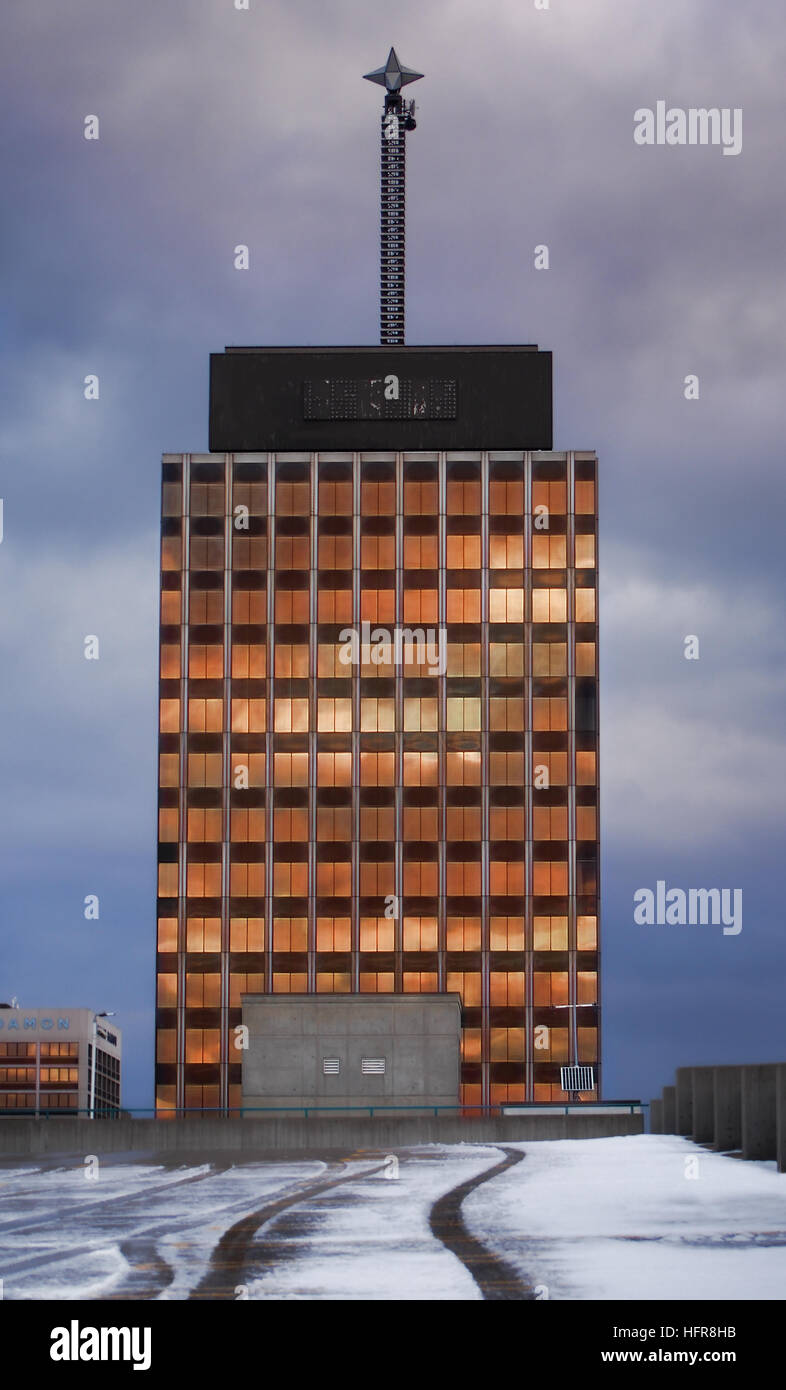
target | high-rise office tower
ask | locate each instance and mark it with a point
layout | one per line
(378, 704)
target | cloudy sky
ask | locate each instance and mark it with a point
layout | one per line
(221, 126)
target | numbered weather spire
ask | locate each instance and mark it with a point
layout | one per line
(398, 117)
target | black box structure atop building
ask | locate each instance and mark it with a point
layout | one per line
(388, 397)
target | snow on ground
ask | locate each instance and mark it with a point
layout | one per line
(619, 1218)
(249, 1186)
(67, 1236)
(76, 1186)
(623, 1219)
(370, 1239)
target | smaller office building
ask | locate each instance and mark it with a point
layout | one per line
(345, 1050)
(47, 1058)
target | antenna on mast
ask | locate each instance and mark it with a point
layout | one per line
(398, 116)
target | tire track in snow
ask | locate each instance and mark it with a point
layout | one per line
(228, 1261)
(495, 1278)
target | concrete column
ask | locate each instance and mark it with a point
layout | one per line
(758, 1111)
(727, 1106)
(683, 1122)
(703, 1105)
(669, 1109)
(780, 1107)
(656, 1117)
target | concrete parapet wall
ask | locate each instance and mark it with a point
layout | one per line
(21, 1137)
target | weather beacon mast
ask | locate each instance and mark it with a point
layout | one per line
(398, 117)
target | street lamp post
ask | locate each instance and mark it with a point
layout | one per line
(573, 1029)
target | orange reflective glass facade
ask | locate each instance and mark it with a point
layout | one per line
(378, 752)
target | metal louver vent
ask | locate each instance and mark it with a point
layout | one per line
(331, 1066)
(373, 1066)
(577, 1078)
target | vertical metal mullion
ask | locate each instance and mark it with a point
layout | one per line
(598, 1011)
(529, 793)
(313, 598)
(442, 814)
(356, 688)
(185, 574)
(570, 583)
(224, 1052)
(484, 782)
(269, 711)
(399, 734)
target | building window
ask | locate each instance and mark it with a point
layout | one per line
(586, 933)
(420, 499)
(377, 606)
(378, 499)
(468, 984)
(335, 499)
(248, 606)
(506, 498)
(333, 982)
(506, 933)
(463, 498)
(334, 933)
(464, 660)
(507, 606)
(549, 606)
(292, 661)
(290, 769)
(463, 553)
(549, 552)
(333, 606)
(335, 553)
(377, 982)
(249, 552)
(463, 933)
(422, 823)
(506, 552)
(376, 934)
(552, 496)
(463, 606)
(550, 933)
(292, 499)
(420, 553)
(291, 716)
(507, 823)
(506, 659)
(585, 605)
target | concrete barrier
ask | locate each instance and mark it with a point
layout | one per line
(727, 1107)
(758, 1111)
(200, 1135)
(703, 1105)
(780, 1114)
(683, 1118)
(730, 1107)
